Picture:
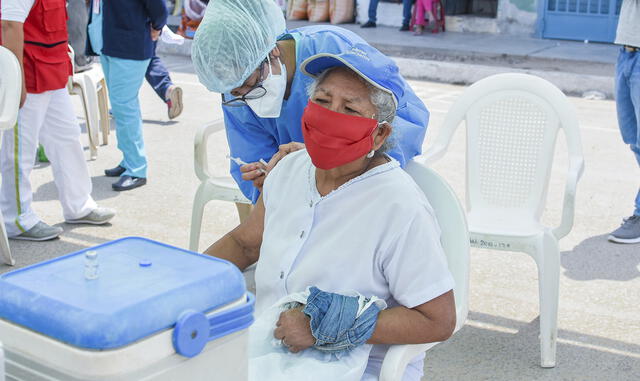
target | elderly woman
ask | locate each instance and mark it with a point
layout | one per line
(342, 215)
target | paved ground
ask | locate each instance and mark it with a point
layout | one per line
(464, 58)
(599, 335)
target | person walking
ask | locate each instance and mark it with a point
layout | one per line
(36, 32)
(123, 32)
(628, 103)
(158, 77)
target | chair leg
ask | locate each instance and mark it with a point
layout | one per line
(93, 145)
(103, 107)
(549, 279)
(5, 250)
(243, 211)
(199, 201)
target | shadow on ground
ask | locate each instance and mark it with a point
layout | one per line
(597, 258)
(101, 190)
(505, 349)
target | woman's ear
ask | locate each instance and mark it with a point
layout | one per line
(381, 135)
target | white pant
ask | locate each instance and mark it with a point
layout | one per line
(48, 118)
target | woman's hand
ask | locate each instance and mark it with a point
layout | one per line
(294, 329)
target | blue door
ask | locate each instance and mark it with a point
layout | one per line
(593, 20)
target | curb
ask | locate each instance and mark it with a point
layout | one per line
(466, 74)
(459, 73)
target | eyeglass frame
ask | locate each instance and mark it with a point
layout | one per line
(242, 100)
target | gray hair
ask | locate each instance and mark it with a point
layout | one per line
(381, 100)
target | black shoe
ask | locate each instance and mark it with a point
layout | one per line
(128, 182)
(404, 28)
(368, 24)
(114, 172)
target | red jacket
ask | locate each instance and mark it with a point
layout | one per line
(46, 61)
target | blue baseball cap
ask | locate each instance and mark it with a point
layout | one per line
(376, 68)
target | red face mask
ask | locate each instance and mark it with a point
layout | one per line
(334, 139)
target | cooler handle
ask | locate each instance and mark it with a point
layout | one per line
(194, 329)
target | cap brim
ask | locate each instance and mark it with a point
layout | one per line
(318, 63)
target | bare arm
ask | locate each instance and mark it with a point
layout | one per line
(241, 246)
(13, 39)
(430, 322)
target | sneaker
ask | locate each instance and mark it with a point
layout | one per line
(368, 24)
(174, 101)
(628, 232)
(404, 28)
(39, 232)
(98, 216)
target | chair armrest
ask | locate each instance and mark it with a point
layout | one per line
(397, 358)
(576, 168)
(200, 158)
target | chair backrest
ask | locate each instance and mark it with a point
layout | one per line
(10, 88)
(512, 124)
(455, 234)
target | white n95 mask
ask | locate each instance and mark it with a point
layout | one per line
(270, 104)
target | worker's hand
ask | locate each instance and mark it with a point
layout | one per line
(294, 329)
(23, 94)
(283, 151)
(255, 172)
(155, 34)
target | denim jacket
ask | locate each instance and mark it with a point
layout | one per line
(338, 322)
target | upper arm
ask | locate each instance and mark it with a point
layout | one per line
(441, 310)
(249, 140)
(249, 233)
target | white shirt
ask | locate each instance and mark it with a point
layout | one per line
(628, 32)
(376, 234)
(16, 10)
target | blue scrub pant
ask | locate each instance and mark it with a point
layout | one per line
(124, 78)
(406, 11)
(157, 75)
(628, 104)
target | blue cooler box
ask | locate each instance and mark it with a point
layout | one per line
(154, 312)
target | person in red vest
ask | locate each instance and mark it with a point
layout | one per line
(36, 32)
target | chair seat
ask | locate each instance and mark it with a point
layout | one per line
(224, 181)
(503, 224)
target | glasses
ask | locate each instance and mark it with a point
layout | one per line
(257, 91)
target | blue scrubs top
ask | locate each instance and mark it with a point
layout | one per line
(252, 138)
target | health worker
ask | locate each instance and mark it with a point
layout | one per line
(243, 50)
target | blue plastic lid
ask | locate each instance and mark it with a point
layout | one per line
(142, 288)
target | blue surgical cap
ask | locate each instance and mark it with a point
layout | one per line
(232, 39)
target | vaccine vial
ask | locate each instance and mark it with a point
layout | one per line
(90, 264)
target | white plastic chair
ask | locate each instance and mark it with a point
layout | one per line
(10, 90)
(91, 86)
(512, 123)
(455, 242)
(222, 188)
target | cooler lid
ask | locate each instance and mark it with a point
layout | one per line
(142, 288)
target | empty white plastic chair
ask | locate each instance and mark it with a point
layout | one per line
(10, 91)
(222, 188)
(512, 123)
(91, 86)
(454, 238)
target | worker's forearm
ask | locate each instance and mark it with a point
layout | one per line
(13, 39)
(230, 249)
